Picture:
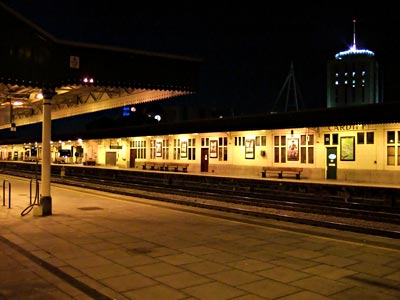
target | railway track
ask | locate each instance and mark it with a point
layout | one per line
(289, 206)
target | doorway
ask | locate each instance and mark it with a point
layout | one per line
(204, 160)
(111, 158)
(331, 163)
(132, 158)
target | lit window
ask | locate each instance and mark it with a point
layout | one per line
(390, 137)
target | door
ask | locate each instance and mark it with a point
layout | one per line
(331, 162)
(132, 158)
(204, 160)
(111, 158)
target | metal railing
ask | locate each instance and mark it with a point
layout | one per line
(36, 191)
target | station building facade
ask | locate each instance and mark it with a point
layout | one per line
(352, 152)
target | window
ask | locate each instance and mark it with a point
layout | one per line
(307, 149)
(391, 154)
(165, 149)
(177, 149)
(223, 148)
(370, 137)
(140, 147)
(276, 149)
(331, 140)
(205, 142)
(393, 148)
(261, 140)
(239, 141)
(153, 149)
(310, 155)
(327, 139)
(335, 139)
(192, 149)
(360, 137)
(280, 148)
(390, 137)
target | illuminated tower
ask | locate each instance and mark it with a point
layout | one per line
(353, 77)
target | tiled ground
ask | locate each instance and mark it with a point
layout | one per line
(102, 246)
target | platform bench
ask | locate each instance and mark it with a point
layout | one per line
(281, 170)
(178, 167)
(89, 163)
(149, 165)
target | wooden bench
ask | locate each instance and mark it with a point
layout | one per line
(178, 166)
(89, 162)
(151, 165)
(281, 170)
(163, 166)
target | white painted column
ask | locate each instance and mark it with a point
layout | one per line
(45, 196)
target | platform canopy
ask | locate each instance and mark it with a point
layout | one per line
(80, 78)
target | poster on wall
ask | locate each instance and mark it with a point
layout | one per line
(347, 148)
(184, 149)
(213, 149)
(249, 148)
(293, 149)
(158, 149)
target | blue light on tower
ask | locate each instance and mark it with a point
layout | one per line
(353, 49)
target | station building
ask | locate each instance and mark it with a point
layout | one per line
(358, 144)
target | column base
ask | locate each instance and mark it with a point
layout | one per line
(45, 203)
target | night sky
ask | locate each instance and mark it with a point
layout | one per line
(247, 48)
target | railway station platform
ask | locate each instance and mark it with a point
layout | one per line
(99, 245)
(380, 194)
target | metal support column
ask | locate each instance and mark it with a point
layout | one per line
(45, 197)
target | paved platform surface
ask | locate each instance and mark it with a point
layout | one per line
(103, 246)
